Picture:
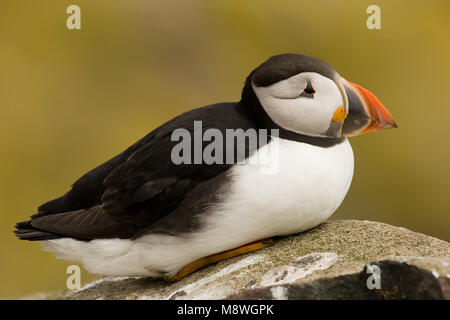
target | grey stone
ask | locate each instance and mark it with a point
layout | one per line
(336, 260)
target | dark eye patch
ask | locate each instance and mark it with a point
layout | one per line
(308, 91)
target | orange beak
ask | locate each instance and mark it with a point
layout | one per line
(365, 112)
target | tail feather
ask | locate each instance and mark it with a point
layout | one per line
(25, 231)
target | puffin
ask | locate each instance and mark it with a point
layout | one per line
(169, 205)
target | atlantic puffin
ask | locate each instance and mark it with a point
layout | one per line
(143, 214)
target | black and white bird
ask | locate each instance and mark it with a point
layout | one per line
(142, 214)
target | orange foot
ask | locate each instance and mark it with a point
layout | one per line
(203, 262)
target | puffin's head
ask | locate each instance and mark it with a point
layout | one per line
(305, 95)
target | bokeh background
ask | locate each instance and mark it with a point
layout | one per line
(70, 100)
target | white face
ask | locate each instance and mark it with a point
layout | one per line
(304, 103)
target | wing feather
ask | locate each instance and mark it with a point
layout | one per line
(135, 189)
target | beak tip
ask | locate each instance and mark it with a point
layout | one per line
(389, 124)
(392, 123)
(386, 125)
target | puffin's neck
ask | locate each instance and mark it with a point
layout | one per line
(251, 106)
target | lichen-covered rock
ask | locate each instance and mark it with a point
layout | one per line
(344, 259)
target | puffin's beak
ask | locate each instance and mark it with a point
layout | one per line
(365, 112)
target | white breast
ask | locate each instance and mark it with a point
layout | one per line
(308, 185)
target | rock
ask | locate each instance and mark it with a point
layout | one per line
(336, 260)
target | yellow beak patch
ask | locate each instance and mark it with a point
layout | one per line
(339, 114)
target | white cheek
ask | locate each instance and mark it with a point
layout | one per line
(298, 115)
(311, 116)
(289, 88)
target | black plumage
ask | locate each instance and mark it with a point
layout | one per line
(140, 186)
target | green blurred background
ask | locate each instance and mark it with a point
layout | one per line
(70, 100)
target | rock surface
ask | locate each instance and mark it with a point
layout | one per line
(336, 260)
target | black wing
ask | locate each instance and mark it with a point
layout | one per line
(137, 188)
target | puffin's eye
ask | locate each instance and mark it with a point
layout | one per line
(308, 91)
